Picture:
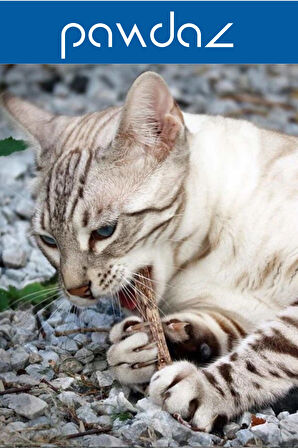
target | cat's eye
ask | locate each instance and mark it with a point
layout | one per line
(104, 232)
(48, 240)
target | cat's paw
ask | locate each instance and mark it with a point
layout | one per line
(133, 354)
(182, 389)
(188, 338)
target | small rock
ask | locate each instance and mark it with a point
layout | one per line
(230, 430)
(27, 380)
(71, 365)
(26, 405)
(9, 377)
(84, 355)
(39, 372)
(105, 420)
(70, 398)
(104, 378)
(269, 433)
(14, 257)
(62, 383)
(103, 440)
(6, 412)
(201, 439)
(87, 415)
(19, 358)
(15, 426)
(25, 208)
(283, 415)
(245, 436)
(69, 428)
(4, 361)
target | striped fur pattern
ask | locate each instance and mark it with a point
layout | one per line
(211, 204)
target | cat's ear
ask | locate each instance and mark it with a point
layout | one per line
(41, 126)
(150, 115)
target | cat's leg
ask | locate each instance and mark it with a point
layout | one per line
(261, 369)
(196, 336)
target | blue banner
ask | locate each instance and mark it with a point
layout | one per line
(151, 32)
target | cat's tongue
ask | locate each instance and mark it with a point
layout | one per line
(127, 301)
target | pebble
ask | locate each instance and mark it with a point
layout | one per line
(70, 398)
(19, 358)
(104, 378)
(14, 257)
(87, 415)
(26, 405)
(4, 361)
(69, 428)
(84, 355)
(62, 383)
(269, 433)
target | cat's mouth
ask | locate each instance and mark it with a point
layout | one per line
(128, 295)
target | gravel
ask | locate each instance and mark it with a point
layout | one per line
(71, 389)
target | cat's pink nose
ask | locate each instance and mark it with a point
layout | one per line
(82, 291)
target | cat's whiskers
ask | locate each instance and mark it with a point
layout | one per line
(35, 295)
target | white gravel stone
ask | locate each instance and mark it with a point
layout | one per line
(14, 257)
(269, 433)
(5, 365)
(19, 358)
(26, 405)
(69, 428)
(62, 383)
(104, 378)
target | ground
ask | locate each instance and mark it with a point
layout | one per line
(67, 387)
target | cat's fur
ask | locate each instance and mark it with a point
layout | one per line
(212, 204)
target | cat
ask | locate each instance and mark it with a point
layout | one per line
(211, 205)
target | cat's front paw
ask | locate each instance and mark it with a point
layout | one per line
(133, 354)
(182, 389)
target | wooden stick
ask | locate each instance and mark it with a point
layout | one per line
(16, 390)
(81, 330)
(147, 302)
(87, 433)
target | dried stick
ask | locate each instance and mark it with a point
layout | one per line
(148, 305)
(87, 433)
(81, 330)
(16, 390)
(147, 302)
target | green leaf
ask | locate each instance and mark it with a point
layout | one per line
(10, 145)
(34, 293)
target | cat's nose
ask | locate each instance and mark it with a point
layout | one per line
(83, 291)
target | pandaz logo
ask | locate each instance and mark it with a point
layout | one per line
(143, 40)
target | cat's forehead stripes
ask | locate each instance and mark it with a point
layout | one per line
(86, 132)
(65, 185)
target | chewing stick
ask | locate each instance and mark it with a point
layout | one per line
(148, 305)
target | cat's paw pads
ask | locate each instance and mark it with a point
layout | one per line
(180, 389)
(188, 340)
(133, 355)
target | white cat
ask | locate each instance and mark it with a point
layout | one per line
(211, 204)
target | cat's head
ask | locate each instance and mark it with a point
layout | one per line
(109, 188)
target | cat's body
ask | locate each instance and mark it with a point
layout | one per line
(212, 205)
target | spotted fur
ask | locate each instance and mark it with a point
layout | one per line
(211, 204)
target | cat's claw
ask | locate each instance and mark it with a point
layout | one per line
(133, 355)
(182, 389)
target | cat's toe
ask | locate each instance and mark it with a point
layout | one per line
(181, 390)
(175, 388)
(133, 359)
